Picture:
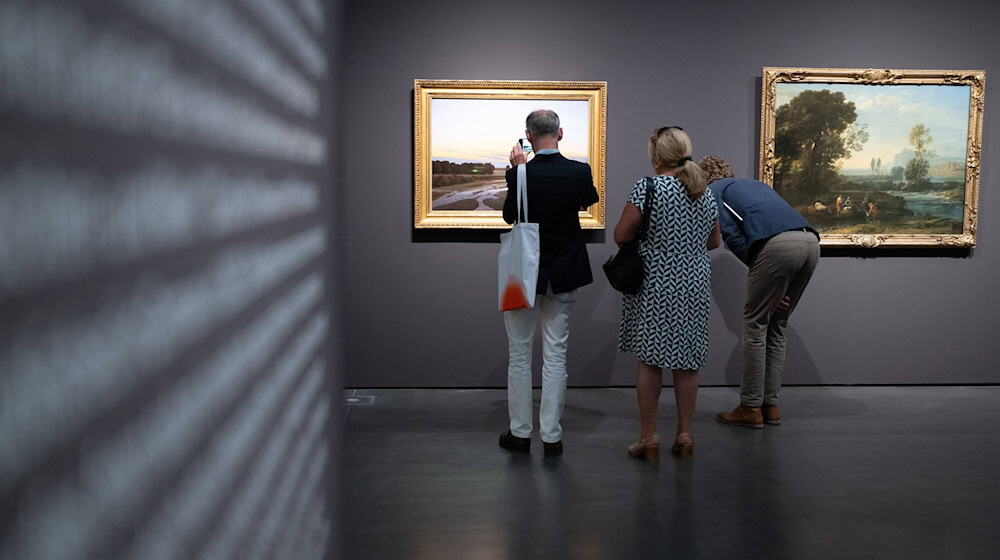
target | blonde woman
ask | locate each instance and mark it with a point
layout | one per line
(665, 325)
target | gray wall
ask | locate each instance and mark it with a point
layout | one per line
(420, 306)
(170, 349)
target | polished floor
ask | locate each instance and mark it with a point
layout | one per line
(852, 472)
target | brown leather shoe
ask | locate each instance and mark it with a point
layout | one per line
(772, 414)
(746, 416)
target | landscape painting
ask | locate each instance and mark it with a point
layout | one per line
(471, 141)
(876, 157)
(463, 135)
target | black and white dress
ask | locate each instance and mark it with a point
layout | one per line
(666, 323)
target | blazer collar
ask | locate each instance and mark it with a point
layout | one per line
(547, 156)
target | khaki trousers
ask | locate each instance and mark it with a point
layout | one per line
(782, 268)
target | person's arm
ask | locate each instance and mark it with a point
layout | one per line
(628, 224)
(510, 209)
(589, 195)
(715, 238)
(732, 233)
(730, 228)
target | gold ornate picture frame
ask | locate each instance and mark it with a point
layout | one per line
(463, 131)
(876, 157)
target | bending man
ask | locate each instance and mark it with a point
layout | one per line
(781, 250)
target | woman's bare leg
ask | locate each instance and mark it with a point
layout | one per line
(648, 382)
(685, 395)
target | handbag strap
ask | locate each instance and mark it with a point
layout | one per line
(522, 192)
(647, 207)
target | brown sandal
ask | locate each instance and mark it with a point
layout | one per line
(647, 449)
(684, 450)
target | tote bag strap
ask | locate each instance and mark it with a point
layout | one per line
(522, 192)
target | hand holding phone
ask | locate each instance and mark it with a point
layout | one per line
(518, 154)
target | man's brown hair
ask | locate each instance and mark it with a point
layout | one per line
(715, 168)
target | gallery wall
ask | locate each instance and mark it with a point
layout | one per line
(420, 306)
(169, 341)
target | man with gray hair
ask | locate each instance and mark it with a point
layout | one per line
(558, 188)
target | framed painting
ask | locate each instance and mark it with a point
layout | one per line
(463, 132)
(876, 157)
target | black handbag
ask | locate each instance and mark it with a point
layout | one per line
(624, 269)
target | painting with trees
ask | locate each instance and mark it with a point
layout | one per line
(876, 157)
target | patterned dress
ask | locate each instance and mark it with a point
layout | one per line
(666, 323)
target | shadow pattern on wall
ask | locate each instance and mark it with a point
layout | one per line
(164, 390)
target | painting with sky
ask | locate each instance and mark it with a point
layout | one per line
(471, 139)
(873, 159)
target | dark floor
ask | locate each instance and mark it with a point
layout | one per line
(853, 472)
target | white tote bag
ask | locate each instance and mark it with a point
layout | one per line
(517, 264)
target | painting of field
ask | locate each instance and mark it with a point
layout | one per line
(470, 144)
(873, 159)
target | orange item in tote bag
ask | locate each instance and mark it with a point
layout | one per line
(517, 264)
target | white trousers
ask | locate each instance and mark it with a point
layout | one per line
(553, 311)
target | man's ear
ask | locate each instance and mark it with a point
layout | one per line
(560, 134)
(527, 135)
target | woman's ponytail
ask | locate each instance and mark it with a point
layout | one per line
(692, 177)
(670, 147)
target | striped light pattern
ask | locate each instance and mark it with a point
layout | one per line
(166, 384)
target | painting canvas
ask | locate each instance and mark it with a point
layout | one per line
(876, 158)
(471, 143)
(464, 132)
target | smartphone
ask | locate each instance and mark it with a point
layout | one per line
(525, 145)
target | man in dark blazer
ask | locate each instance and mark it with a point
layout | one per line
(558, 188)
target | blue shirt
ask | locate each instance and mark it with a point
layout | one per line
(750, 213)
(547, 151)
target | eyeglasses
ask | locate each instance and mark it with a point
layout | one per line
(662, 129)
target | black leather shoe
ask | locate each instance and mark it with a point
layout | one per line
(552, 449)
(514, 443)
